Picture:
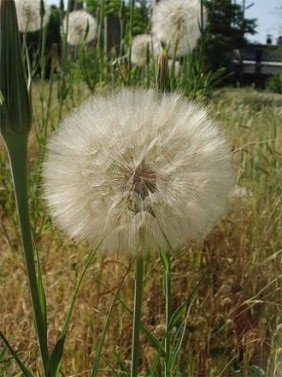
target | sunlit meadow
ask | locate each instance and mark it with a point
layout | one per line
(225, 289)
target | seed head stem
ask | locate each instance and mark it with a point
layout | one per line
(137, 315)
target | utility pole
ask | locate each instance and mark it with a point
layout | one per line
(244, 8)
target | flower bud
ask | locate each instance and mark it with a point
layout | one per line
(15, 107)
(163, 76)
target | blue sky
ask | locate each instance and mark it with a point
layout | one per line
(267, 12)
(269, 18)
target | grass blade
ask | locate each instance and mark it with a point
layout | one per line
(23, 368)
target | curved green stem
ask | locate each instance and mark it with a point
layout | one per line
(17, 150)
(137, 315)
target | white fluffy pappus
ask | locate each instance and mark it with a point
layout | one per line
(144, 47)
(176, 23)
(80, 25)
(133, 166)
(28, 14)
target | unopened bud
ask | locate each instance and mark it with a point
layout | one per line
(163, 76)
(15, 108)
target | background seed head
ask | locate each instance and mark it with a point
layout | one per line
(29, 15)
(177, 24)
(143, 47)
(81, 25)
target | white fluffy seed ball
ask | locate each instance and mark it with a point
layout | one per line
(143, 48)
(29, 15)
(80, 26)
(176, 24)
(135, 165)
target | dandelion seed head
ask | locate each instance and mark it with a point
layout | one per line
(176, 23)
(143, 46)
(29, 15)
(80, 25)
(135, 165)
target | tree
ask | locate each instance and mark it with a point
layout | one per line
(115, 16)
(226, 30)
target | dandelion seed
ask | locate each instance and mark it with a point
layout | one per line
(133, 165)
(80, 26)
(143, 46)
(176, 23)
(29, 15)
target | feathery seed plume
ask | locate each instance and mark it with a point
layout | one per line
(81, 25)
(28, 13)
(135, 165)
(176, 23)
(142, 46)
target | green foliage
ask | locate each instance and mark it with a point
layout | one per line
(121, 9)
(274, 84)
(226, 30)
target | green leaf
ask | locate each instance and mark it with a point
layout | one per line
(41, 294)
(165, 260)
(154, 341)
(23, 368)
(175, 318)
(56, 357)
(57, 352)
(122, 365)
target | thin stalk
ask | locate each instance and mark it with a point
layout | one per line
(137, 315)
(121, 36)
(43, 36)
(105, 327)
(42, 53)
(167, 291)
(17, 150)
(131, 23)
(27, 63)
(101, 39)
(65, 54)
(165, 258)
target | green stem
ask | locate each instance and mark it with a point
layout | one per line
(17, 150)
(167, 290)
(131, 23)
(27, 64)
(137, 315)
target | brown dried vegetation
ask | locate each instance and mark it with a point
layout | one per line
(234, 322)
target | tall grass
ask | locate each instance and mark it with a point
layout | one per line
(213, 309)
(234, 321)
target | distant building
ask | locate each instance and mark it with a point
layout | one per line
(253, 64)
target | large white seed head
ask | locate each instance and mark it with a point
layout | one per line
(135, 165)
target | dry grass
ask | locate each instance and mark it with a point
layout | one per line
(234, 325)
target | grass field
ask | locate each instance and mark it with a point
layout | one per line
(233, 325)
